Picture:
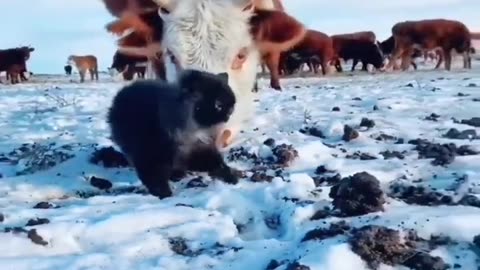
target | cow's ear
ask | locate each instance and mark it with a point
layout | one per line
(165, 7)
(31, 49)
(275, 30)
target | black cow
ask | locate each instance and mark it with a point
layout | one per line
(126, 64)
(68, 69)
(13, 62)
(359, 50)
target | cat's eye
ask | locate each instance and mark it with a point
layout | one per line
(218, 106)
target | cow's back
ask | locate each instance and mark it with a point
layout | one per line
(434, 31)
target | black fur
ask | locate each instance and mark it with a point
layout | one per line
(155, 124)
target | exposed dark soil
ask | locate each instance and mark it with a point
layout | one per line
(356, 195)
(367, 123)
(461, 135)
(392, 154)
(324, 233)
(109, 158)
(474, 122)
(361, 156)
(377, 245)
(37, 221)
(419, 195)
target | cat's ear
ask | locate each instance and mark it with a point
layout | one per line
(223, 76)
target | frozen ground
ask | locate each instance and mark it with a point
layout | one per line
(217, 226)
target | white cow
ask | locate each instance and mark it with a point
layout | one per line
(217, 36)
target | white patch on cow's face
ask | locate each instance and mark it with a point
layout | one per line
(211, 35)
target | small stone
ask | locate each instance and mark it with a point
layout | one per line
(43, 205)
(349, 133)
(269, 142)
(335, 109)
(100, 183)
(37, 239)
(37, 221)
(367, 123)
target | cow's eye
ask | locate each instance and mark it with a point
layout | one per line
(240, 58)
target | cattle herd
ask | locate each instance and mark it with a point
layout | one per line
(156, 40)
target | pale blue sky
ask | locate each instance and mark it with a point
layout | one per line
(57, 28)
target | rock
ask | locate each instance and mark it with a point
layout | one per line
(357, 195)
(37, 221)
(269, 142)
(100, 183)
(367, 123)
(43, 205)
(109, 158)
(313, 131)
(37, 239)
(461, 135)
(349, 133)
(335, 109)
(259, 176)
(2, 218)
(375, 108)
(285, 154)
(432, 117)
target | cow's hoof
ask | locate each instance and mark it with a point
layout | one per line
(276, 87)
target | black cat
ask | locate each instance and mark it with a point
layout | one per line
(166, 129)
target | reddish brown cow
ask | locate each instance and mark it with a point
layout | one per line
(315, 44)
(430, 34)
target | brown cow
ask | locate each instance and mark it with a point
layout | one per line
(83, 64)
(14, 61)
(430, 34)
(314, 44)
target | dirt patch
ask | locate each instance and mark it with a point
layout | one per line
(419, 195)
(474, 122)
(327, 180)
(40, 157)
(377, 245)
(335, 229)
(356, 195)
(361, 156)
(31, 234)
(37, 221)
(461, 135)
(393, 154)
(312, 131)
(442, 154)
(109, 158)
(44, 205)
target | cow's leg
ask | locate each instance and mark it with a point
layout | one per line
(467, 63)
(272, 64)
(440, 60)
(354, 64)
(91, 74)
(406, 59)
(448, 59)
(337, 64)
(364, 66)
(414, 65)
(82, 75)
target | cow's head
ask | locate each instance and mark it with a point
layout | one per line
(26, 50)
(217, 36)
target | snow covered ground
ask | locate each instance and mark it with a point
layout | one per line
(213, 225)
